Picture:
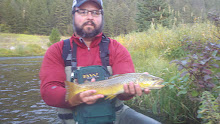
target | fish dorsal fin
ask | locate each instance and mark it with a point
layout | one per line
(114, 76)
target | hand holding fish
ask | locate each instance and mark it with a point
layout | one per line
(123, 86)
(87, 97)
(132, 89)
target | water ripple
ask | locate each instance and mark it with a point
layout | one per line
(20, 98)
(28, 57)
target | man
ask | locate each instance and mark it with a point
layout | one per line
(85, 107)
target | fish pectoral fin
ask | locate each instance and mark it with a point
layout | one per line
(110, 97)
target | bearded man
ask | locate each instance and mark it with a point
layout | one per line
(89, 51)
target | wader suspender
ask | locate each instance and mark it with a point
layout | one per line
(104, 52)
(70, 59)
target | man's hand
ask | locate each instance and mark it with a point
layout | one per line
(87, 97)
(132, 89)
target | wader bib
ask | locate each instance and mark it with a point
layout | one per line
(103, 111)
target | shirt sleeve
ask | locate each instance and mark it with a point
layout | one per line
(52, 76)
(121, 62)
(120, 59)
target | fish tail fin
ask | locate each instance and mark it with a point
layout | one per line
(70, 89)
(110, 97)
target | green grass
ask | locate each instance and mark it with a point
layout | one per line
(151, 52)
(8, 39)
(23, 44)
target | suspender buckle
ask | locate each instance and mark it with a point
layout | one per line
(72, 76)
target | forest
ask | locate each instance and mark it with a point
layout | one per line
(177, 40)
(121, 16)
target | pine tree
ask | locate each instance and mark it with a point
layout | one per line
(109, 13)
(25, 14)
(54, 36)
(119, 16)
(152, 11)
(6, 10)
(1, 11)
(61, 16)
(19, 17)
(38, 17)
(12, 16)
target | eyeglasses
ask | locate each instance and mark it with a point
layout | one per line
(85, 12)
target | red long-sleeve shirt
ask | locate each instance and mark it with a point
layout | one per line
(52, 73)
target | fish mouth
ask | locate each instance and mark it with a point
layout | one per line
(159, 82)
(157, 85)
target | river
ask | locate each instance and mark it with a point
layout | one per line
(20, 100)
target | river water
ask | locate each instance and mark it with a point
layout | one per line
(20, 99)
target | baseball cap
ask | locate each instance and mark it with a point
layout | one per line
(78, 3)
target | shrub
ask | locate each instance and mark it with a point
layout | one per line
(34, 49)
(209, 110)
(198, 72)
(198, 65)
(5, 52)
(175, 51)
(178, 102)
(54, 36)
(4, 28)
(19, 50)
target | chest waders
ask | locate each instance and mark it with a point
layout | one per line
(103, 111)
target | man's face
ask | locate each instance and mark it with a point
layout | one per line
(88, 26)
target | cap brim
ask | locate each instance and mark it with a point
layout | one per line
(83, 1)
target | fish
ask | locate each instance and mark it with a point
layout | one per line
(114, 85)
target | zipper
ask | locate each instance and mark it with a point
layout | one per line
(89, 53)
(81, 40)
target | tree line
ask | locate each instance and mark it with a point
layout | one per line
(121, 16)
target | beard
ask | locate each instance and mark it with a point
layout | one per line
(88, 32)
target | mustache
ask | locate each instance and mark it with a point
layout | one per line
(92, 23)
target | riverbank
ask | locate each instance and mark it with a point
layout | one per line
(12, 45)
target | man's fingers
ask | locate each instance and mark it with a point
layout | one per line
(147, 91)
(138, 90)
(87, 93)
(93, 99)
(93, 80)
(89, 97)
(132, 88)
(146, 73)
(126, 90)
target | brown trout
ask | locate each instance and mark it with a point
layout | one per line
(114, 85)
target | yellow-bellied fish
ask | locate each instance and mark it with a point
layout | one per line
(114, 85)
